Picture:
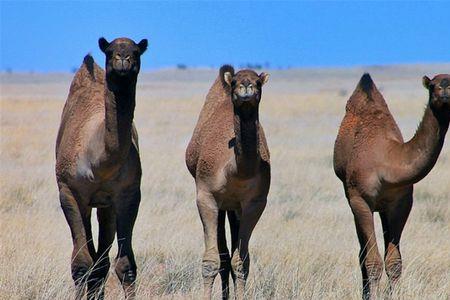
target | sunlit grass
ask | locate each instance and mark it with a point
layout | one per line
(304, 246)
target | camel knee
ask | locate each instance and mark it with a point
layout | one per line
(125, 270)
(374, 268)
(80, 271)
(240, 266)
(394, 268)
(210, 266)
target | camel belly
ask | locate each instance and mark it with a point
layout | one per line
(236, 191)
(101, 199)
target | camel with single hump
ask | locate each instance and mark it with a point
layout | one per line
(378, 169)
(229, 160)
(98, 165)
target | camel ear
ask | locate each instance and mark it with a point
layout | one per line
(426, 82)
(103, 44)
(264, 77)
(227, 77)
(143, 45)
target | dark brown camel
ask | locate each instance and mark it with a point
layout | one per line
(98, 165)
(378, 169)
(229, 160)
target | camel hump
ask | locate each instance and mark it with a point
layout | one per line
(88, 74)
(88, 62)
(225, 69)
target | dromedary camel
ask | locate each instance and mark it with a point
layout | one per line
(378, 169)
(97, 165)
(229, 160)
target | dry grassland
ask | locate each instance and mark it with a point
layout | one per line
(304, 246)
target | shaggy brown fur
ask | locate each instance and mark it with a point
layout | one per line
(378, 169)
(97, 165)
(229, 159)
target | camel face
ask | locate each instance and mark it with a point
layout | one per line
(439, 88)
(246, 87)
(123, 56)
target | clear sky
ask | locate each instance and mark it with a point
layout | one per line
(54, 36)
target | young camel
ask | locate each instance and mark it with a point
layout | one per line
(97, 165)
(378, 169)
(229, 160)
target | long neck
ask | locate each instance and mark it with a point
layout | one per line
(246, 150)
(119, 113)
(417, 157)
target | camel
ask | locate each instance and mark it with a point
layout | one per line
(229, 160)
(98, 165)
(378, 170)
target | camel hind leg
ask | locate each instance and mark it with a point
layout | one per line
(393, 221)
(107, 230)
(240, 262)
(233, 219)
(82, 260)
(369, 257)
(209, 215)
(126, 210)
(225, 258)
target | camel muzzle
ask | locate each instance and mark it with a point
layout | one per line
(122, 66)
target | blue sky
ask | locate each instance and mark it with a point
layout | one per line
(54, 36)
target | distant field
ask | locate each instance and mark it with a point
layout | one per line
(304, 246)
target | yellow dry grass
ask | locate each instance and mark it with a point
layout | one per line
(304, 246)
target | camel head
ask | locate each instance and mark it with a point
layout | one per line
(123, 56)
(245, 85)
(439, 88)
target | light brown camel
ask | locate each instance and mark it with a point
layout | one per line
(378, 169)
(229, 160)
(98, 165)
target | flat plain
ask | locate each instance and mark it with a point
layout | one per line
(305, 245)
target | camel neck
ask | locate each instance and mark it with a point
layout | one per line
(119, 113)
(419, 155)
(246, 150)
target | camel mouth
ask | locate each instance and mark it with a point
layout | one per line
(245, 98)
(122, 72)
